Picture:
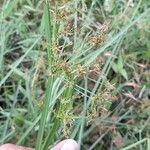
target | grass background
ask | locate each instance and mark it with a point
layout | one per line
(75, 69)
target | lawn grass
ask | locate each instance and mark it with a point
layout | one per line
(75, 69)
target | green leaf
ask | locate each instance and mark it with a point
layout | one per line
(120, 62)
(148, 53)
(123, 73)
(115, 67)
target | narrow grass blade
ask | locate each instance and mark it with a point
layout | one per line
(44, 114)
(16, 64)
(48, 31)
(48, 97)
(148, 143)
(98, 140)
(22, 138)
(135, 144)
(52, 134)
(8, 8)
(83, 116)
